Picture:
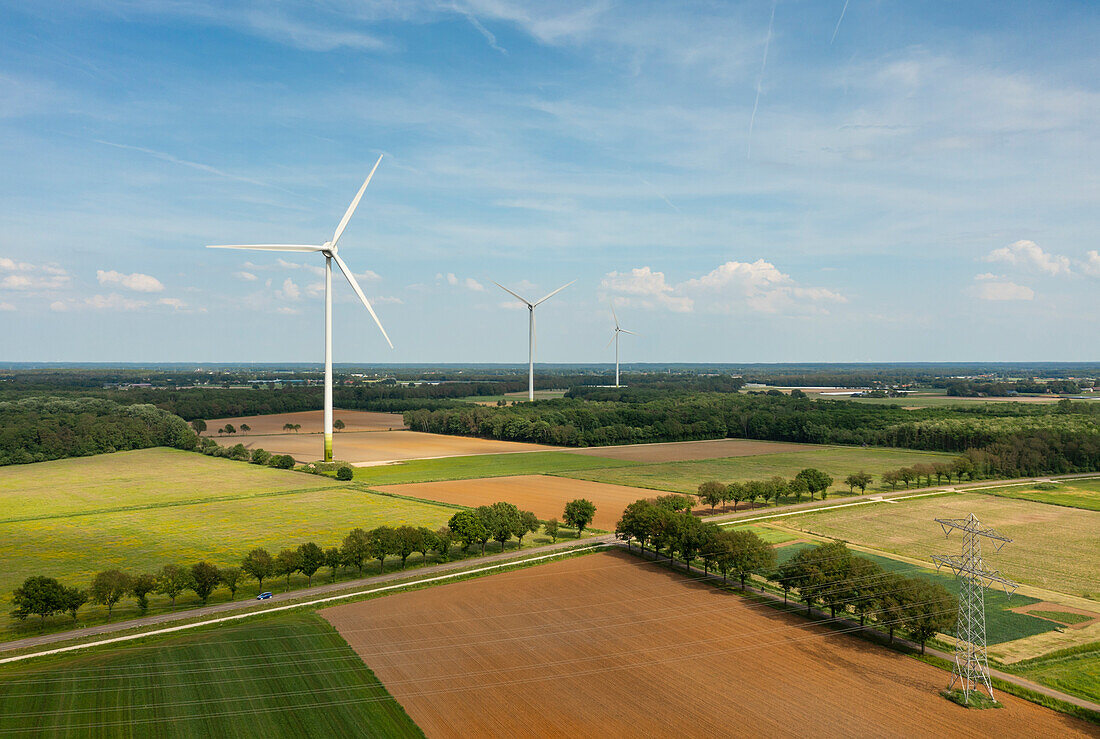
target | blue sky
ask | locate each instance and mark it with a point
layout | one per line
(791, 181)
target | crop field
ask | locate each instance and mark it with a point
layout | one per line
(312, 422)
(283, 676)
(544, 495)
(146, 477)
(1071, 492)
(481, 465)
(839, 462)
(73, 548)
(682, 451)
(610, 645)
(1053, 547)
(1076, 674)
(373, 447)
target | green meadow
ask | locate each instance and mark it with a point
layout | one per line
(483, 465)
(1070, 492)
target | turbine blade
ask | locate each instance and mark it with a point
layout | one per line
(522, 300)
(555, 292)
(609, 341)
(623, 330)
(268, 247)
(359, 291)
(612, 304)
(354, 204)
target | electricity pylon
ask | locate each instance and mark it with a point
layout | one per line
(971, 665)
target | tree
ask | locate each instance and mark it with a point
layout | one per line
(245, 428)
(863, 586)
(692, 537)
(753, 490)
(72, 599)
(551, 529)
(484, 514)
(890, 603)
(742, 552)
(467, 527)
(711, 493)
(288, 426)
(381, 543)
(890, 478)
(172, 580)
(528, 523)
(425, 541)
(259, 456)
(798, 488)
(140, 587)
(674, 502)
(852, 482)
(297, 427)
(637, 522)
(579, 513)
(286, 564)
(737, 493)
(333, 560)
(258, 564)
(777, 488)
(906, 474)
(205, 579)
(38, 596)
(310, 559)
(963, 466)
(229, 429)
(863, 479)
(338, 425)
(199, 426)
(502, 521)
(406, 539)
(230, 577)
(929, 609)
(344, 473)
(282, 462)
(444, 537)
(108, 588)
(816, 481)
(355, 548)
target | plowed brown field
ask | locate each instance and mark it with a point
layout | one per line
(608, 645)
(543, 494)
(684, 451)
(311, 421)
(372, 447)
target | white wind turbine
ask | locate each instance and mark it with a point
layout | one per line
(531, 333)
(615, 338)
(329, 250)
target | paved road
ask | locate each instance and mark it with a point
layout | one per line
(280, 599)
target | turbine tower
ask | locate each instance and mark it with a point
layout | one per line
(615, 338)
(531, 332)
(329, 250)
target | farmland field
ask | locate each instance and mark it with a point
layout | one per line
(608, 644)
(543, 494)
(839, 462)
(145, 477)
(1054, 547)
(367, 447)
(1074, 493)
(681, 451)
(1077, 674)
(312, 422)
(289, 675)
(481, 465)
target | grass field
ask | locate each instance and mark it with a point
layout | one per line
(1073, 493)
(610, 645)
(684, 477)
(1001, 623)
(146, 477)
(485, 465)
(1075, 673)
(1064, 617)
(282, 676)
(1053, 547)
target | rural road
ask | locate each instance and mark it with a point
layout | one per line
(280, 599)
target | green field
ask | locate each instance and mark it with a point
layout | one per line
(1073, 493)
(146, 477)
(1064, 617)
(1076, 672)
(1001, 623)
(1053, 547)
(288, 675)
(483, 465)
(684, 477)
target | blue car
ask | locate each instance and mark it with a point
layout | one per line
(263, 596)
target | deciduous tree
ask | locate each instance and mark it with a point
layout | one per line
(579, 513)
(259, 565)
(286, 564)
(333, 560)
(230, 577)
(38, 596)
(140, 587)
(72, 599)
(172, 580)
(711, 493)
(381, 543)
(310, 559)
(551, 529)
(204, 580)
(108, 588)
(528, 523)
(355, 548)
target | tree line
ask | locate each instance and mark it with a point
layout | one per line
(809, 481)
(44, 596)
(828, 575)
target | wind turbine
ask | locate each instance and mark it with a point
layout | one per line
(615, 338)
(531, 333)
(329, 249)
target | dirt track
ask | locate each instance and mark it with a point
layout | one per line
(311, 421)
(608, 645)
(543, 494)
(684, 451)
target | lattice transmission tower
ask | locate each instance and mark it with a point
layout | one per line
(971, 665)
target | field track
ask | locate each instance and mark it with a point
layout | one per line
(312, 422)
(607, 644)
(545, 495)
(686, 451)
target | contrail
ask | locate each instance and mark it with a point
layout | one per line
(838, 21)
(760, 79)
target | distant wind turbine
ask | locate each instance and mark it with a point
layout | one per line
(615, 338)
(531, 333)
(329, 250)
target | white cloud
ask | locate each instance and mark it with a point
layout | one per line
(1000, 291)
(114, 301)
(1026, 253)
(987, 276)
(290, 290)
(173, 302)
(246, 276)
(642, 287)
(58, 307)
(6, 307)
(1091, 263)
(27, 276)
(287, 311)
(137, 281)
(10, 265)
(469, 282)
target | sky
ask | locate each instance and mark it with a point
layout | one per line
(834, 181)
